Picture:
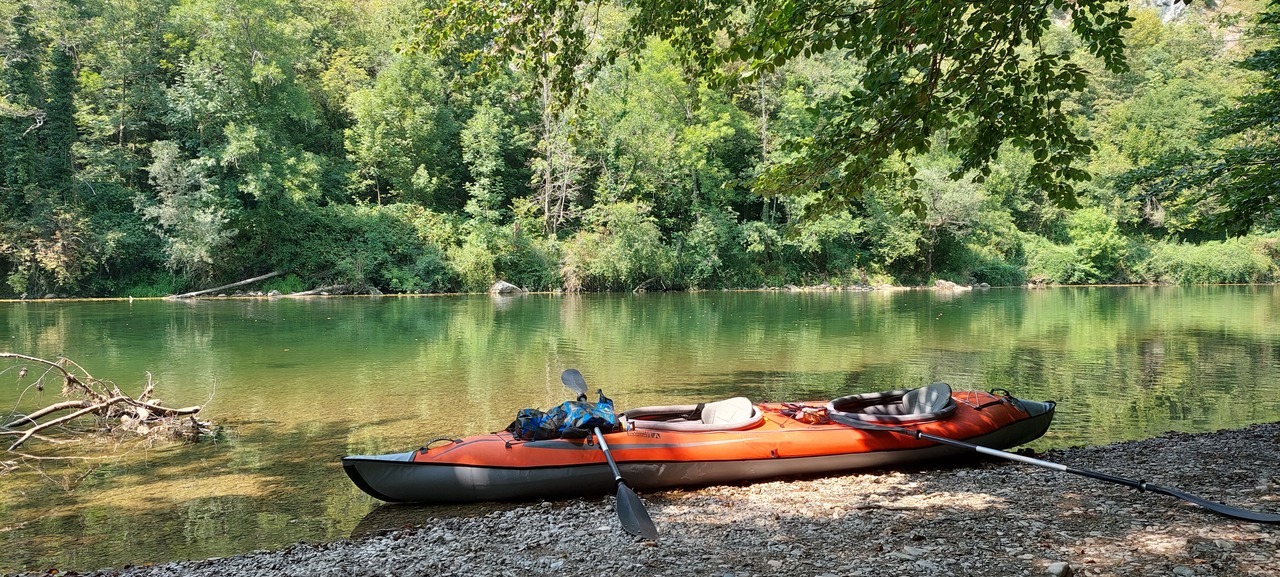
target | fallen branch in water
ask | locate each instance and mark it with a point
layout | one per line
(227, 286)
(331, 289)
(112, 409)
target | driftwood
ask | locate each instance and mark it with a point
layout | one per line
(331, 289)
(112, 409)
(227, 286)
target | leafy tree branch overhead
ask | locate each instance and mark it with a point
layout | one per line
(1232, 177)
(978, 71)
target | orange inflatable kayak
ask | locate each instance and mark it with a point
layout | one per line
(724, 442)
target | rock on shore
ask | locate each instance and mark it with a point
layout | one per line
(980, 518)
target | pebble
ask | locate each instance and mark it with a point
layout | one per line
(989, 518)
(1061, 569)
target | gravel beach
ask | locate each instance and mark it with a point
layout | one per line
(988, 517)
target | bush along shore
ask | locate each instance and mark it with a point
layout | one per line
(973, 517)
(661, 266)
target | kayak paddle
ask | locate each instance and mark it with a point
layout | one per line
(1219, 508)
(631, 512)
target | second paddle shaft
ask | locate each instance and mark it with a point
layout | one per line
(1139, 485)
(604, 447)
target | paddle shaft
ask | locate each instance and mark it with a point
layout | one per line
(1227, 510)
(1139, 485)
(604, 447)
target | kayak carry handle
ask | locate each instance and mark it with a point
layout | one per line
(427, 447)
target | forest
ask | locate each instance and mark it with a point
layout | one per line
(151, 147)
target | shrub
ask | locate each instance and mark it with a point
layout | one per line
(711, 253)
(532, 262)
(473, 262)
(1237, 260)
(490, 252)
(762, 246)
(1054, 263)
(428, 273)
(1101, 250)
(160, 284)
(998, 273)
(828, 244)
(619, 248)
(1098, 252)
(287, 284)
(393, 247)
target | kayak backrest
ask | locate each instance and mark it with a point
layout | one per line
(728, 415)
(929, 399)
(727, 411)
(928, 403)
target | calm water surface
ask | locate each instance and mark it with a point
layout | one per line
(297, 384)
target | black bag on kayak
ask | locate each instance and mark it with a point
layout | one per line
(569, 420)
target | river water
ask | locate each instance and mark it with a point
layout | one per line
(296, 384)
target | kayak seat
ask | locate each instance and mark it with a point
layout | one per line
(933, 398)
(929, 403)
(728, 415)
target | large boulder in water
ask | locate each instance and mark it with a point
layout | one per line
(504, 288)
(946, 285)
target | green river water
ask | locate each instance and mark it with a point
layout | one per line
(298, 383)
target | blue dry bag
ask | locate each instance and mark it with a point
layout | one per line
(570, 420)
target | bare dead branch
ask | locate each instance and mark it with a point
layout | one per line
(39, 437)
(69, 380)
(146, 393)
(45, 411)
(63, 419)
(113, 409)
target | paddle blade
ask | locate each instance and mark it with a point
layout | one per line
(634, 517)
(1219, 508)
(573, 379)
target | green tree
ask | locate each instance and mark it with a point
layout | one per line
(128, 58)
(185, 213)
(404, 142)
(653, 135)
(46, 242)
(952, 210)
(1229, 181)
(486, 140)
(244, 107)
(1102, 250)
(20, 77)
(929, 66)
(59, 132)
(711, 253)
